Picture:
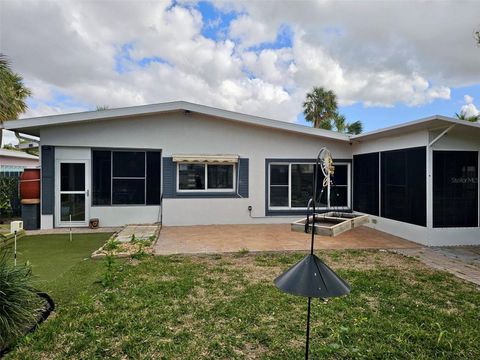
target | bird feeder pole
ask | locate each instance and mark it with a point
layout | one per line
(311, 277)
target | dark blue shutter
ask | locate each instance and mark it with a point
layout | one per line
(243, 178)
(169, 177)
(48, 179)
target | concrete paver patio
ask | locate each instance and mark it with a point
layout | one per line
(266, 237)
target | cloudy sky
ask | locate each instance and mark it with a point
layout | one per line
(388, 61)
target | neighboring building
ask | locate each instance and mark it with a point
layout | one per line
(186, 164)
(13, 162)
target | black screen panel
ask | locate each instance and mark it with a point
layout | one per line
(128, 191)
(153, 178)
(455, 189)
(101, 177)
(403, 185)
(366, 183)
(129, 164)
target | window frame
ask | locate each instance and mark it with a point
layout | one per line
(205, 189)
(289, 207)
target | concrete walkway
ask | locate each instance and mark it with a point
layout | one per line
(141, 232)
(266, 237)
(463, 262)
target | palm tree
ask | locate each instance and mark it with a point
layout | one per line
(13, 93)
(320, 108)
(341, 125)
(463, 116)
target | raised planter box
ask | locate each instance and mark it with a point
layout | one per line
(331, 224)
(324, 225)
(357, 219)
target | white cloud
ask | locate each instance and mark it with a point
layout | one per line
(90, 53)
(251, 32)
(468, 99)
(469, 109)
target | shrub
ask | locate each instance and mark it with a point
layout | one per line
(19, 305)
(111, 245)
(8, 186)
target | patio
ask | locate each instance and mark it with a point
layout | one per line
(267, 237)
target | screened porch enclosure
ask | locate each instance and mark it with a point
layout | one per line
(393, 185)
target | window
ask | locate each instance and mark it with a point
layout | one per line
(126, 177)
(220, 176)
(339, 194)
(291, 186)
(279, 185)
(455, 189)
(403, 185)
(366, 184)
(205, 177)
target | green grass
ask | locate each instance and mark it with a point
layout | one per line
(53, 255)
(226, 307)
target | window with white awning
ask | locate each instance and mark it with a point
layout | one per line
(206, 172)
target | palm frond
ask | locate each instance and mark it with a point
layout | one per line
(355, 128)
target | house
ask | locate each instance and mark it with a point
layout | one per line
(184, 164)
(13, 162)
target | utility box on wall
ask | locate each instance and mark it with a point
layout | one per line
(16, 226)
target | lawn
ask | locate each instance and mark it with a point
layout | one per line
(226, 307)
(53, 255)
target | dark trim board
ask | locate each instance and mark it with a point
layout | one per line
(48, 179)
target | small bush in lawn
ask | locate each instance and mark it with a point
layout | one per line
(242, 252)
(111, 245)
(111, 268)
(19, 304)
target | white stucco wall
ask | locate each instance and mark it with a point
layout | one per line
(176, 133)
(386, 143)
